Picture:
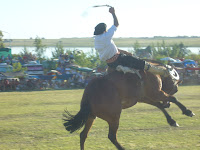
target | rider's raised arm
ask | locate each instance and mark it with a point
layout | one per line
(112, 11)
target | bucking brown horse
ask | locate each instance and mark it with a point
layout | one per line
(106, 96)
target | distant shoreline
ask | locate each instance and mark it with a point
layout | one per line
(120, 42)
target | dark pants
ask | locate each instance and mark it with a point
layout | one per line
(128, 61)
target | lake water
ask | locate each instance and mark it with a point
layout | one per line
(49, 50)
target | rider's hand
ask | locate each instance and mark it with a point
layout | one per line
(112, 10)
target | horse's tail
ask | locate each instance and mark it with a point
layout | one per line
(75, 122)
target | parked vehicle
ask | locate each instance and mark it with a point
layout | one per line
(2, 76)
(34, 68)
(4, 67)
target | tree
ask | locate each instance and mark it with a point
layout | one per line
(183, 51)
(58, 50)
(40, 48)
(195, 57)
(83, 60)
(90, 59)
(93, 56)
(24, 51)
(1, 41)
(175, 51)
(136, 46)
(17, 67)
(28, 55)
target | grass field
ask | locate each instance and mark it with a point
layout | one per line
(33, 121)
(120, 42)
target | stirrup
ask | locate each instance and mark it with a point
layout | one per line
(172, 72)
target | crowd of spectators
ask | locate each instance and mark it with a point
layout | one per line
(7, 59)
(64, 61)
(26, 58)
(77, 80)
(6, 84)
(22, 59)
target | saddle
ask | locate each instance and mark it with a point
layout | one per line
(172, 72)
(125, 70)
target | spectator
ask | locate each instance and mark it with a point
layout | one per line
(2, 85)
(9, 57)
(66, 57)
(62, 70)
(8, 61)
(71, 56)
(68, 72)
(2, 58)
(7, 84)
(86, 81)
(12, 85)
(16, 83)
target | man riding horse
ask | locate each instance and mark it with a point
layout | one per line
(113, 56)
(106, 96)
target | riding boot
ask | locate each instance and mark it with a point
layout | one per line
(156, 70)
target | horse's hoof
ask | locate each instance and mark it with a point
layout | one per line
(175, 125)
(192, 114)
(172, 123)
(189, 113)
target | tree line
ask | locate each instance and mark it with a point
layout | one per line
(91, 59)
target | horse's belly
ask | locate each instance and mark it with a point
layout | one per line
(127, 102)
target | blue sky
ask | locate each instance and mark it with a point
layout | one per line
(53, 19)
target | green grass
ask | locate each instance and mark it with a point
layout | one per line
(33, 121)
(120, 42)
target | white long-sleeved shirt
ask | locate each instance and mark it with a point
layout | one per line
(105, 45)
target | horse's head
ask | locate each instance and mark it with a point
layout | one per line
(170, 85)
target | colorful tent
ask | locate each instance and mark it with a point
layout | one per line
(168, 59)
(187, 62)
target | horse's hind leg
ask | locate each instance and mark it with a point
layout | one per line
(84, 133)
(113, 127)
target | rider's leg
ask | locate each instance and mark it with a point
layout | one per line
(156, 70)
(139, 64)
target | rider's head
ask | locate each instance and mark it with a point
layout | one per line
(100, 28)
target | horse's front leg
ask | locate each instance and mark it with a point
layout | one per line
(185, 111)
(159, 105)
(156, 96)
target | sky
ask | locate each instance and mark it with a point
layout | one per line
(54, 19)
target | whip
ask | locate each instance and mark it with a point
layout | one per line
(85, 13)
(101, 6)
